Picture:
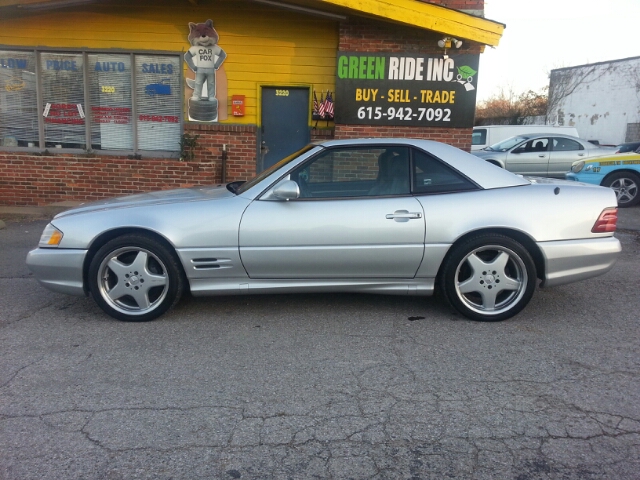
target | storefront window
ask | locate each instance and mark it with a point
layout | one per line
(110, 96)
(18, 99)
(158, 102)
(63, 100)
(127, 102)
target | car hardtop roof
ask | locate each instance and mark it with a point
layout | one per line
(483, 173)
(376, 141)
(538, 135)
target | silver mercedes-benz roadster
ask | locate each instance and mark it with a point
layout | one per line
(391, 216)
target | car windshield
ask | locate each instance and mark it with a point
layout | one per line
(258, 178)
(508, 143)
(627, 147)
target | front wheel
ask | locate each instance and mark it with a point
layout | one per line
(488, 278)
(625, 184)
(135, 278)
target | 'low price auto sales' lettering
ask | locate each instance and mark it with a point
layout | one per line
(392, 89)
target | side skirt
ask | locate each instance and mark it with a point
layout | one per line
(414, 286)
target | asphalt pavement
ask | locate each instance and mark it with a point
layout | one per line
(320, 386)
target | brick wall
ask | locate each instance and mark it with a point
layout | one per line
(458, 137)
(42, 180)
(241, 144)
(28, 179)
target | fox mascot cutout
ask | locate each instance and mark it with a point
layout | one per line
(205, 58)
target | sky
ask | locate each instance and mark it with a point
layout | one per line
(542, 35)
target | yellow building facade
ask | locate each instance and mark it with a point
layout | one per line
(112, 79)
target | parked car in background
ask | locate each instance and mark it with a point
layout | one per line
(546, 154)
(484, 136)
(620, 172)
(393, 216)
(627, 147)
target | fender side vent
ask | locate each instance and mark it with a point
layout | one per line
(210, 263)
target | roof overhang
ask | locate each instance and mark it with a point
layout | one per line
(427, 16)
(412, 13)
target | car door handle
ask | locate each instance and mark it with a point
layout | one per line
(403, 215)
(581, 154)
(542, 156)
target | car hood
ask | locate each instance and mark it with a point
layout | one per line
(486, 153)
(627, 158)
(162, 197)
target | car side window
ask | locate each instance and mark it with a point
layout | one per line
(355, 172)
(432, 176)
(565, 145)
(535, 145)
(479, 136)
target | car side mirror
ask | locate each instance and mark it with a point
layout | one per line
(518, 150)
(287, 190)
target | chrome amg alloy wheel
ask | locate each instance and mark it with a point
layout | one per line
(489, 278)
(135, 278)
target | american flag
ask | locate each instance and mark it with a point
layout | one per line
(322, 107)
(328, 106)
(315, 104)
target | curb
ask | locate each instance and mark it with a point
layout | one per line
(44, 211)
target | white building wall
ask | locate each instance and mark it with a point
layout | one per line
(601, 100)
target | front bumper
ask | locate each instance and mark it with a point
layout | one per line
(574, 260)
(59, 270)
(591, 178)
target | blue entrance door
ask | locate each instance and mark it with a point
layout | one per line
(285, 123)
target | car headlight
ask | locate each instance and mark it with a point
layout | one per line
(51, 237)
(577, 167)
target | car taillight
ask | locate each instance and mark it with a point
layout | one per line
(607, 221)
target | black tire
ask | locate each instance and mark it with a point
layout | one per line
(625, 184)
(203, 110)
(488, 278)
(135, 278)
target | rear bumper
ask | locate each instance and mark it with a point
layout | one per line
(574, 260)
(59, 270)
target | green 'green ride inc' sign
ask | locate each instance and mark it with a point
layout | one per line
(406, 89)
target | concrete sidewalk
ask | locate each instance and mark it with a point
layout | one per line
(48, 211)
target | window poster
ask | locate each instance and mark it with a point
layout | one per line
(158, 102)
(110, 98)
(63, 100)
(206, 79)
(18, 99)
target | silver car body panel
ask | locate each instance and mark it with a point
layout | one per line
(575, 260)
(533, 210)
(388, 286)
(252, 243)
(59, 270)
(333, 238)
(189, 223)
(213, 263)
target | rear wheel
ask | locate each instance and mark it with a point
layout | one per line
(625, 184)
(488, 278)
(135, 278)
